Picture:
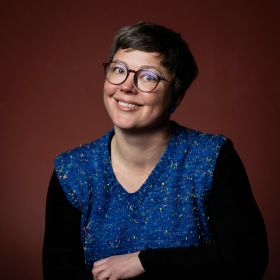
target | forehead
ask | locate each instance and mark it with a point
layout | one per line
(136, 59)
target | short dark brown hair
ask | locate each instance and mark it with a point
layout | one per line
(150, 37)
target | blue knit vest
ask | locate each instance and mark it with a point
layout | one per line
(169, 210)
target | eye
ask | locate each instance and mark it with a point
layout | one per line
(147, 76)
(117, 69)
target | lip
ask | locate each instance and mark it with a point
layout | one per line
(127, 105)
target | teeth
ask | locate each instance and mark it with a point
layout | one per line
(129, 105)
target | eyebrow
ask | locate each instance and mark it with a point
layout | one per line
(143, 67)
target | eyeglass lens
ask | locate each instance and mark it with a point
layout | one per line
(145, 80)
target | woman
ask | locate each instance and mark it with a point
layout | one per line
(151, 199)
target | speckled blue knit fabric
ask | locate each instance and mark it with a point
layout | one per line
(169, 210)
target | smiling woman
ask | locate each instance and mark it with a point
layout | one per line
(151, 199)
(130, 107)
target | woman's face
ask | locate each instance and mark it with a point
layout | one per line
(132, 109)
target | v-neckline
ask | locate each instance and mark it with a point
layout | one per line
(150, 181)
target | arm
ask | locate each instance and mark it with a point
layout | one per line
(240, 250)
(62, 249)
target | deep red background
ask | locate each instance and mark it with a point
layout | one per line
(51, 98)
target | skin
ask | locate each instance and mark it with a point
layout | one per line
(141, 136)
(153, 112)
(118, 267)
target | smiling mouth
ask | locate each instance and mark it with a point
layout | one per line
(129, 105)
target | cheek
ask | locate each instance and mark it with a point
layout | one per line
(106, 102)
(164, 101)
(108, 89)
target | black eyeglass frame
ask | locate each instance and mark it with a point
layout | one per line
(135, 78)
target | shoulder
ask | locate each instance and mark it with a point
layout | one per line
(82, 155)
(83, 152)
(198, 141)
(229, 167)
(74, 167)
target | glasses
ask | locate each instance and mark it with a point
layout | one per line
(145, 80)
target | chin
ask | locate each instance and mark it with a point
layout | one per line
(125, 125)
(140, 127)
(133, 123)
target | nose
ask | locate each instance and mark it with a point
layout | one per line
(128, 86)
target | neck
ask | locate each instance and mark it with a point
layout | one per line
(140, 149)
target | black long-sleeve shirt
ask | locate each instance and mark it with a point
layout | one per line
(239, 251)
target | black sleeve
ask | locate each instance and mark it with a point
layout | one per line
(240, 248)
(62, 249)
